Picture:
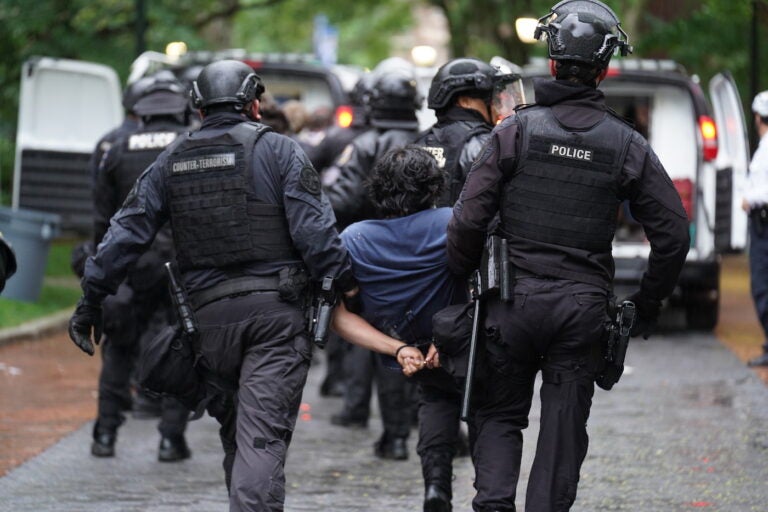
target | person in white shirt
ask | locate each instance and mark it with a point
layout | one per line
(755, 202)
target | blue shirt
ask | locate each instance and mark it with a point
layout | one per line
(401, 266)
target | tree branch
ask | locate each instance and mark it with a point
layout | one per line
(229, 11)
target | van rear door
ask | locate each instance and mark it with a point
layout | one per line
(65, 107)
(732, 163)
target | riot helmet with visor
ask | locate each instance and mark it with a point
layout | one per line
(508, 90)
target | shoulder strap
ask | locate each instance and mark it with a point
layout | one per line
(249, 133)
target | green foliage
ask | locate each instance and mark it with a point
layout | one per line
(690, 40)
(365, 27)
(715, 36)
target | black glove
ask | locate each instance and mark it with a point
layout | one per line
(647, 314)
(87, 316)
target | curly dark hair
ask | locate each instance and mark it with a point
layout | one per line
(405, 181)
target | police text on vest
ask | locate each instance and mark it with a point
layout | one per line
(571, 152)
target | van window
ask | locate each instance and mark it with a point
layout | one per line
(666, 114)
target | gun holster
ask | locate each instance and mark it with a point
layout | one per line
(609, 361)
(759, 217)
(320, 311)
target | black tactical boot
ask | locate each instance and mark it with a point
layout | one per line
(437, 469)
(173, 449)
(393, 448)
(436, 500)
(343, 419)
(103, 444)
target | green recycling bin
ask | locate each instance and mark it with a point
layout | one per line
(29, 232)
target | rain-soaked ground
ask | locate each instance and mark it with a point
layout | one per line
(686, 428)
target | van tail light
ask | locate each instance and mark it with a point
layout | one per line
(344, 116)
(709, 136)
(685, 190)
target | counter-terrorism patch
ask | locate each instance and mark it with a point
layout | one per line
(218, 161)
(310, 180)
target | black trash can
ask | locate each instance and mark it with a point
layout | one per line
(29, 232)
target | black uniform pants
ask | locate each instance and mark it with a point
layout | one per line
(131, 319)
(439, 411)
(552, 325)
(335, 350)
(257, 344)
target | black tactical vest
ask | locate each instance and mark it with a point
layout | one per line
(138, 151)
(563, 189)
(445, 143)
(215, 216)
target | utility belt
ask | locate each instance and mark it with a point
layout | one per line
(233, 287)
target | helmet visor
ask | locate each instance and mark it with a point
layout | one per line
(507, 94)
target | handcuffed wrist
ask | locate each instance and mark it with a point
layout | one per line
(401, 347)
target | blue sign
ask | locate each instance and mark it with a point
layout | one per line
(325, 40)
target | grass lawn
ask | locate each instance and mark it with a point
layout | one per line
(60, 290)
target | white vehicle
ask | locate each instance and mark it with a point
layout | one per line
(706, 153)
(65, 107)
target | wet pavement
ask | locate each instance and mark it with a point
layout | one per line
(686, 428)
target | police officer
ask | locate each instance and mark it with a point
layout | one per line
(555, 173)
(141, 307)
(392, 105)
(249, 220)
(460, 95)
(755, 203)
(324, 154)
(131, 95)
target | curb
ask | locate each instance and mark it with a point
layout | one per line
(36, 329)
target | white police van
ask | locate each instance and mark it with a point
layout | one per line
(65, 107)
(706, 153)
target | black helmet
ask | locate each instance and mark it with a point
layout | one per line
(584, 31)
(394, 96)
(133, 92)
(394, 91)
(226, 82)
(468, 75)
(163, 95)
(360, 93)
(393, 101)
